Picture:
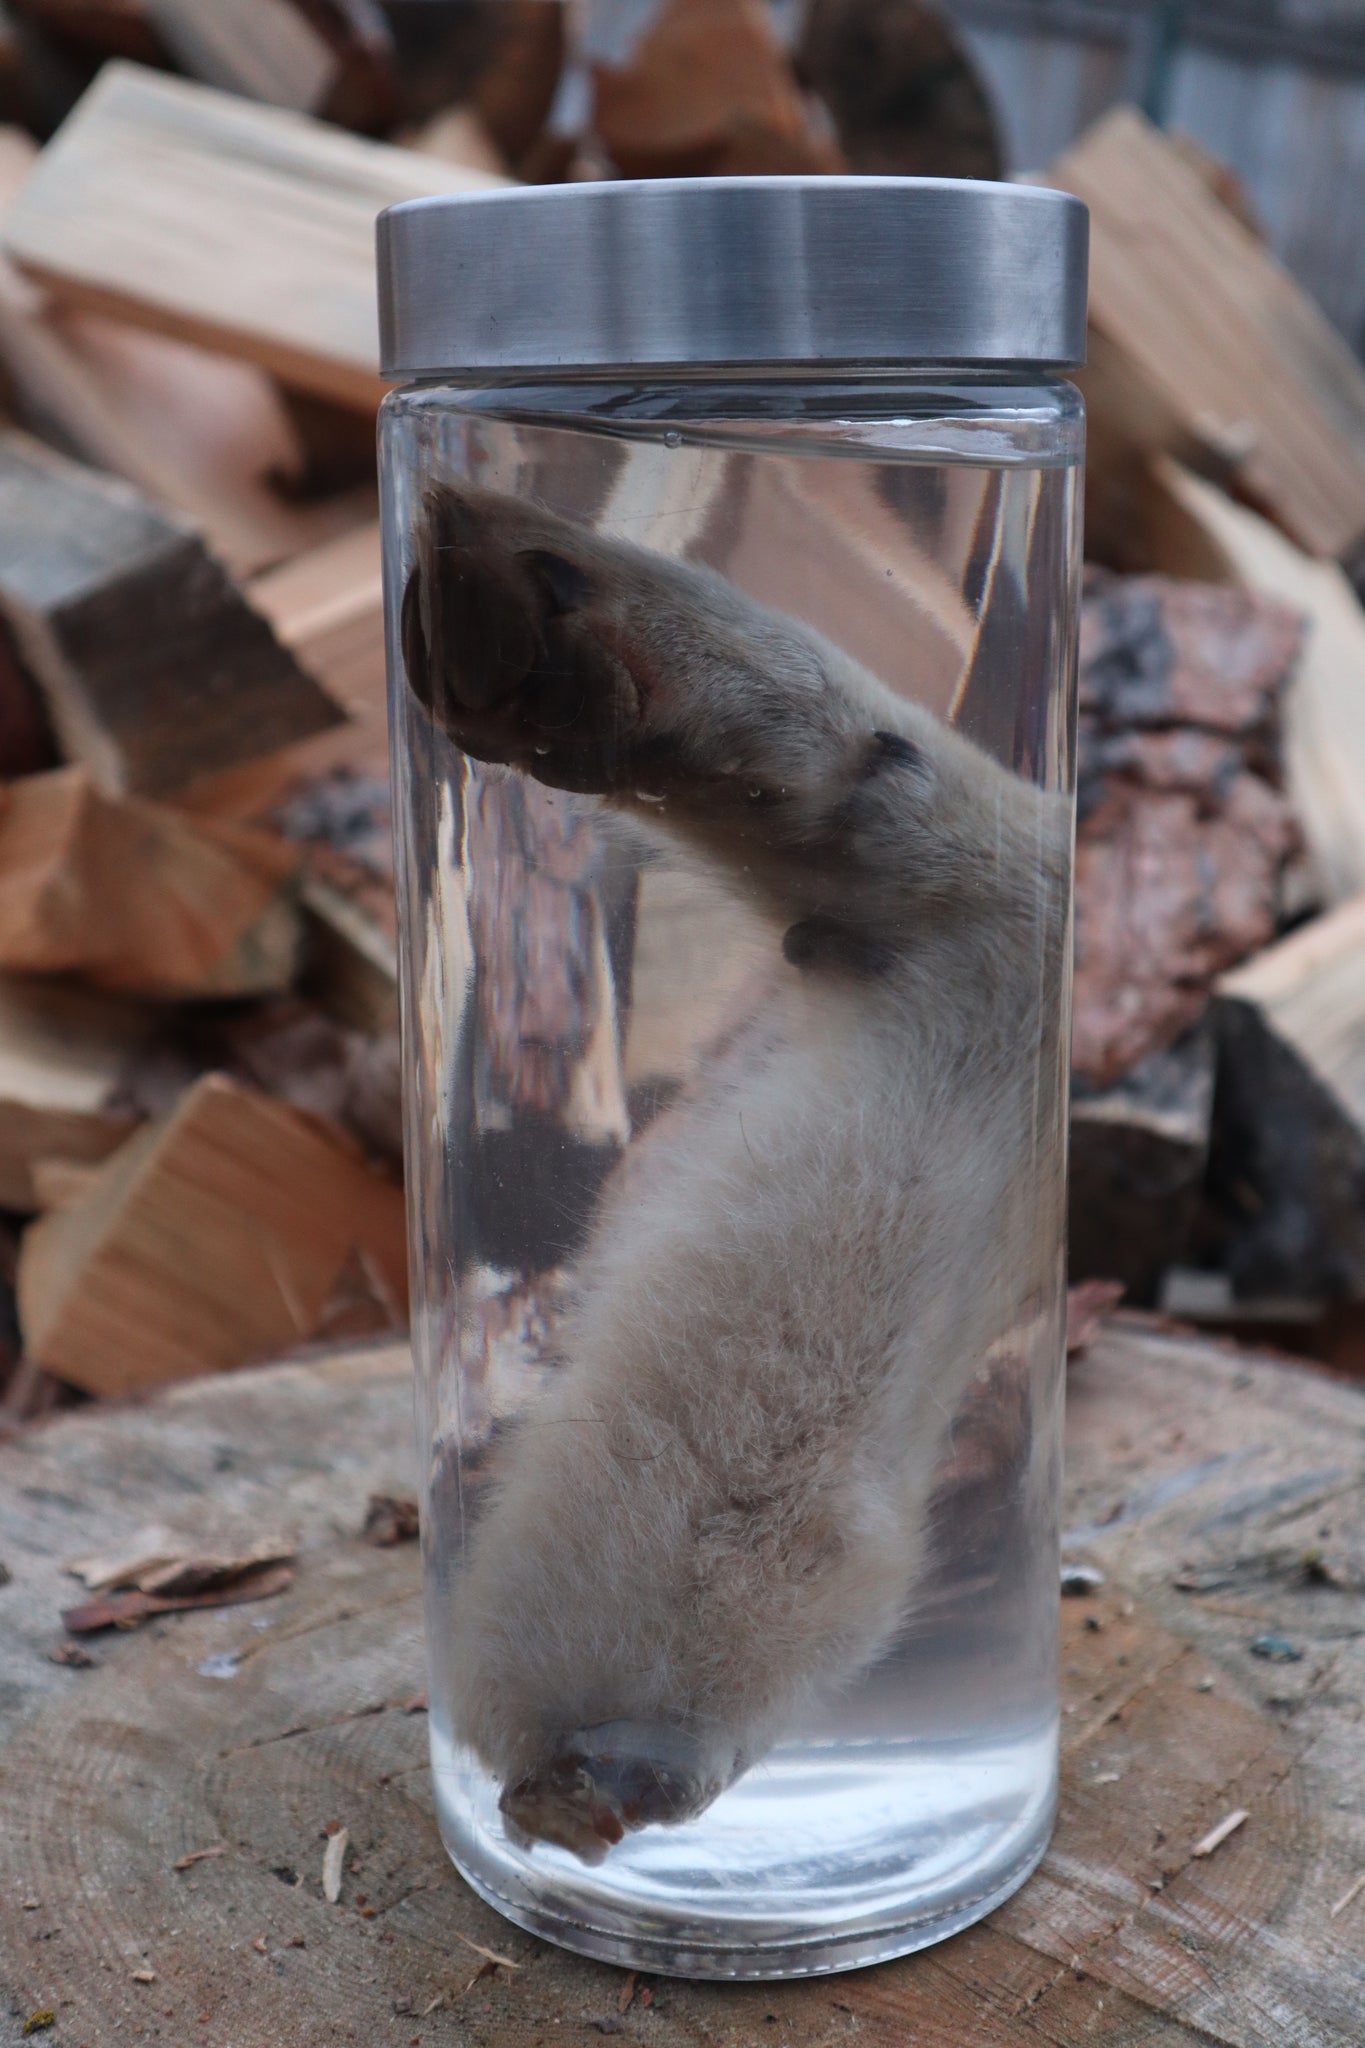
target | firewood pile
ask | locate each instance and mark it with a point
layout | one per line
(200, 1152)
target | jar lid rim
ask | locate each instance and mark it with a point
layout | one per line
(733, 273)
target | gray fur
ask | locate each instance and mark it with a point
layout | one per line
(717, 1512)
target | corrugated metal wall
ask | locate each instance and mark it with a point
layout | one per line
(1289, 119)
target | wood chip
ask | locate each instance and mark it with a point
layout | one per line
(199, 1856)
(333, 1863)
(159, 1561)
(121, 1566)
(626, 1993)
(1352, 1891)
(1217, 1836)
(144, 1976)
(489, 1954)
(126, 1610)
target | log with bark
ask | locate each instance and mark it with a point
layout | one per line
(1183, 833)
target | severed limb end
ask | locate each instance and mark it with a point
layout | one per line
(601, 1783)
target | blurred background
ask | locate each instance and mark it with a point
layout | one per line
(200, 1143)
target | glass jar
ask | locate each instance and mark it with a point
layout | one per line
(732, 559)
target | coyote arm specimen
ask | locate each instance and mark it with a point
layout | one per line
(718, 1511)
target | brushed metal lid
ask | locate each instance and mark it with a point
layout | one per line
(859, 272)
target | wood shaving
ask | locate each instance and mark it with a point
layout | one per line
(490, 1954)
(157, 1560)
(1352, 1892)
(150, 1547)
(333, 1863)
(1217, 1836)
(198, 1856)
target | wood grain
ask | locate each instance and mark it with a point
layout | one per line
(246, 228)
(134, 897)
(201, 432)
(152, 664)
(213, 1238)
(1247, 364)
(63, 1053)
(1324, 710)
(1122, 1938)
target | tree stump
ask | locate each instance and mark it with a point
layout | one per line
(1219, 1668)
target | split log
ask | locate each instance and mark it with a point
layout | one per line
(241, 227)
(152, 664)
(1133, 523)
(1324, 706)
(458, 136)
(327, 608)
(322, 57)
(26, 743)
(904, 96)
(133, 897)
(1182, 836)
(204, 434)
(96, 28)
(501, 59)
(707, 91)
(1255, 374)
(64, 1056)
(1138, 1154)
(212, 1238)
(1287, 1175)
(351, 958)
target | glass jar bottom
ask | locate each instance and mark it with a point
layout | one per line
(827, 1857)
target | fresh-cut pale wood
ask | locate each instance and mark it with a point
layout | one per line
(1292, 1111)
(152, 664)
(132, 896)
(201, 432)
(64, 1053)
(1324, 709)
(1197, 1479)
(1248, 366)
(213, 1238)
(245, 228)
